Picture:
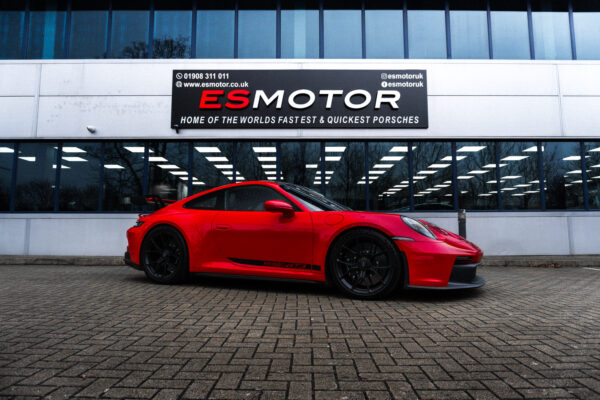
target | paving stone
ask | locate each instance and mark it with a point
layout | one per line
(106, 332)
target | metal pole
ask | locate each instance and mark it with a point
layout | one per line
(462, 223)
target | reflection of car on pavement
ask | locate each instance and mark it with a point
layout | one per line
(281, 230)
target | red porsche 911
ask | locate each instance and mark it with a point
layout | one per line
(282, 230)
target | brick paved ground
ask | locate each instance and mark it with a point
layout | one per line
(107, 332)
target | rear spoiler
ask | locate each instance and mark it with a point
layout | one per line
(157, 201)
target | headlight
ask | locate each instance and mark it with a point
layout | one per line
(418, 227)
(138, 223)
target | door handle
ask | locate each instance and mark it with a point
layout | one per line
(223, 226)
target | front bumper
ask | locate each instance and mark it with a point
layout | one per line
(127, 260)
(463, 276)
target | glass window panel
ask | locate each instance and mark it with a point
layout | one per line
(213, 165)
(7, 153)
(300, 163)
(46, 30)
(433, 188)
(299, 34)
(586, 21)
(519, 175)
(123, 176)
(11, 29)
(342, 34)
(172, 29)
(347, 162)
(384, 34)
(168, 170)
(551, 35)
(36, 174)
(592, 153)
(257, 33)
(87, 38)
(563, 175)
(388, 177)
(426, 34)
(256, 161)
(129, 33)
(80, 177)
(214, 33)
(469, 34)
(476, 172)
(250, 198)
(510, 35)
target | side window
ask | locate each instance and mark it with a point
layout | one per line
(250, 198)
(211, 201)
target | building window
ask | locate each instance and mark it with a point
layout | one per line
(46, 29)
(215, 31)
(519, 175)
(510, 29)
(551, 32)
(344, 169)
(300, 164)
(592, 159)
(432, 167)
(257, 30)
(469, 29)
(80, 176)
(213, 165)
(299, 29)
(87, 38)
(256, 161)
(123, 183)
(476, 175)
(384, 32)
(426, 29)
(36, 176)
(563, 175)
(7, 152)
(388, 177)
(172, 29)
(168, 170)
(129, 33)
(342, 29)
(586, 21)
(11, 29)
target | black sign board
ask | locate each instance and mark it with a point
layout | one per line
(295, 99)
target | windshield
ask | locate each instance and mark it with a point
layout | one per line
(313, 200)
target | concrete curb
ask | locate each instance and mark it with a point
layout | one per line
(488, 261)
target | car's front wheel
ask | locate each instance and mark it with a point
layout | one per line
(364, 263)
(164, 255)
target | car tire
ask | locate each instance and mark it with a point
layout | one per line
(164, 255)
(364, 263)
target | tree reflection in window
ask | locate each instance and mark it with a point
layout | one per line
(344, 169)
(519, 175)
(592, 159)
(123, 176)
(563, 174)
(433, 188)
(476, 176)
(388, 177)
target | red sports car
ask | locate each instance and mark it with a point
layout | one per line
(282, 230)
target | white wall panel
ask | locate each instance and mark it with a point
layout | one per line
(582, 79)
(18, 79)
(16, 116)
(585, 233)
(581, 116)
(12, 236)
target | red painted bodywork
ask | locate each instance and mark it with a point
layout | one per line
(214, 237)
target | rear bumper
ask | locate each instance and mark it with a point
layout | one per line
(127, 260)
(463, 276)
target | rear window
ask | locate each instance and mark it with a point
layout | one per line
(210, 201)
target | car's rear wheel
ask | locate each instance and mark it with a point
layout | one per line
(164, 255)
(363, 263)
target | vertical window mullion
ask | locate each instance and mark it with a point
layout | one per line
(151, 30)
(572, 30)
(278, 161)
(367, 174)
(448, 38)
(530, 28)
(101, 177)
(405, 33)
(411, 181)
(236, 25)
(194, 28)
(234, 155)
(13, 178)
(67, 35)
(278, 37)
(363, 35)
(190, 171)
(26, 22)
(541, 175)
(321, 31)
(489, 27)
(584, 176)
(108, 29)
(322, 168)
(57, 175)
(498, 175)
(455, 190)
(146, 174)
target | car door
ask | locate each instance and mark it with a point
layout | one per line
(254, 239)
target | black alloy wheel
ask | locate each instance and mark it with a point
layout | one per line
(364, 264)
(164, 255)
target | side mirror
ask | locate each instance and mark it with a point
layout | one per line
(277, 206)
